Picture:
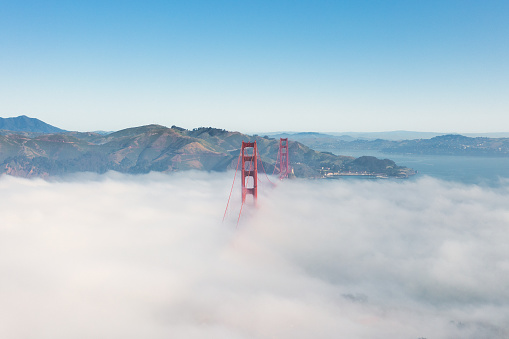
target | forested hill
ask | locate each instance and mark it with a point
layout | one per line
(158, 148)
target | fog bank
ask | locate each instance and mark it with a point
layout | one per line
(118, 256)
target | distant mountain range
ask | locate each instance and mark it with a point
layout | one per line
(392, 135)
(29, 147)
(450, 144)
(350, 136)
(158, 148)
(26, 124)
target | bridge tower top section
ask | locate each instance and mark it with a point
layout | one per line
(249, 157)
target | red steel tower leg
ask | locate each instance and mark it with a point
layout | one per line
(249, 170)
(283, 158)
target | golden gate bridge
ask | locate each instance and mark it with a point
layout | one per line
(248, 159)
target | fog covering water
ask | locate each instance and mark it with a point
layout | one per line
(117, 256)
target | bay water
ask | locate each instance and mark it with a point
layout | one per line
(485, 171)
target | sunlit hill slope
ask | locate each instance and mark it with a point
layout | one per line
(158, 148)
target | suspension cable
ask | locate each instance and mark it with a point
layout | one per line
(275, 165)
(231, 190)
(240, 212)
(263, 168)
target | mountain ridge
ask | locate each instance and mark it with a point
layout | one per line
(23, 123)
(448, 144)
(158, 148)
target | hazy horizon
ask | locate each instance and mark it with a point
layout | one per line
(501, 134)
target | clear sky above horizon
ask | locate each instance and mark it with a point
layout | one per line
(258, 66)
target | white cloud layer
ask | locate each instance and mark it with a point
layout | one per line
(117, 256)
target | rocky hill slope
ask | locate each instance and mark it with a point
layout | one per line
(158, 148)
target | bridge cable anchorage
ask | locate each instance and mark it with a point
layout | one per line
(231, 190)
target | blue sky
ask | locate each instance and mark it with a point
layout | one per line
(258, 66)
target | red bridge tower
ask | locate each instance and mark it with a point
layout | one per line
(284, 169)
(249, 170)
